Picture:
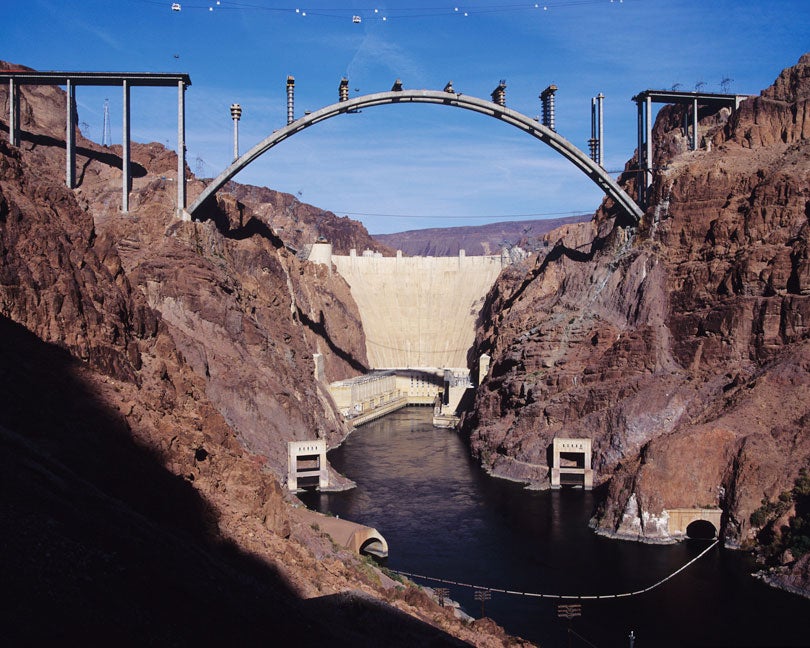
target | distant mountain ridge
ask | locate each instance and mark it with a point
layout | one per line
(475, 240)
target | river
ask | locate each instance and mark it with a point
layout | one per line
(443, 516)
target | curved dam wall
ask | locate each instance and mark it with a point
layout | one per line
(419, 312)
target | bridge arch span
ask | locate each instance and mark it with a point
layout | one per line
(530, 126)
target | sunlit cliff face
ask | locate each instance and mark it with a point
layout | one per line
(669, 345)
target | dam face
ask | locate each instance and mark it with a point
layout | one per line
(418, 312)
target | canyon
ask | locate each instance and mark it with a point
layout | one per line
(153, 371)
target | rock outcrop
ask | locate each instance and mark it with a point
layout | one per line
(300, 224)
(680, 347)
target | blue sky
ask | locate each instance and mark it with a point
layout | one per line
(405, 167)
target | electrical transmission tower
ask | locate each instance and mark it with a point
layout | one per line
(105, 135)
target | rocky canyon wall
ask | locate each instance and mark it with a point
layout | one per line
(151, 372)
(681, 346)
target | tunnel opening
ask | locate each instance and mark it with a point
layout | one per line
(375, 548)
(701, 530)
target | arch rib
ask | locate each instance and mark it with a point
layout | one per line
(584, 163)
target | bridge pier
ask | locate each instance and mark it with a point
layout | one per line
(596, 144)
(70, 135)
(126, 179)
(290, 100)
(181, 152)
(70, 80)
(547, 99)
(13, 113)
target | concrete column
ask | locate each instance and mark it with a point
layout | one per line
(70, 136)
(600, 102)
(695, 124)
(547, 97)
(593, 144)
(499, 94)
(125, 165)
(640, 126)
(181, 151)
(648, 138)
(290, 99)
(236, 114)
(13, 114)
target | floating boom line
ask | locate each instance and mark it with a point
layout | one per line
(581, 597)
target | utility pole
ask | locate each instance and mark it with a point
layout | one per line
(569, 611)
(482, 595)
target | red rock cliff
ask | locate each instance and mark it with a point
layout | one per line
(680, 346)
(151, 372)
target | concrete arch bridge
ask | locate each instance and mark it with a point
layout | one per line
(417, 313)
(448, 98)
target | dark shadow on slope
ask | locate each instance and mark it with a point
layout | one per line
(100, 545)
(319, 329)
(210, 210)
(557, 252)
(379, 624)
(110, 159)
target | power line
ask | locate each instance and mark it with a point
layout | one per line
(377, 14)
(539, 215)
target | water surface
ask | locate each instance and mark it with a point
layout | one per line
(443, 516)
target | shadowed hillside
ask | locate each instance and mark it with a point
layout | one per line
(151, 374)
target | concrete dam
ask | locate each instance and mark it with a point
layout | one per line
(417, 312)
(419, 316)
